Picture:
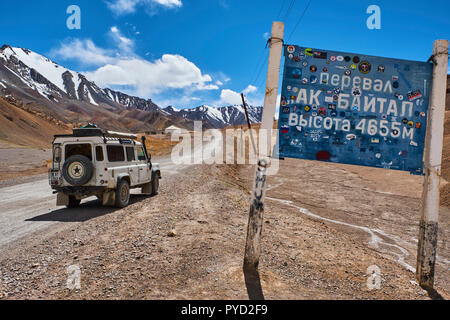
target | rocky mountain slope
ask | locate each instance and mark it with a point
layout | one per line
(33, 82)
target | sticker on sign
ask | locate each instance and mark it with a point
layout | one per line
(362, 116)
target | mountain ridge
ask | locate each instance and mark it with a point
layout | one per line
(69, 96)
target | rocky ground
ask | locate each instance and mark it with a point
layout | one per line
(187, 242)
(22, 162)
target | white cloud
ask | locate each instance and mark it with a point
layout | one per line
(122, 7)
(266, 35)
(88, 54)
(221, 78)
(84, 51)
(203, 86)
(124, 43)
(169, 3)
(168, 72)
(171, 79)
(230, 97)
(250, 89)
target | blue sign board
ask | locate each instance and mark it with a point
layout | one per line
(353, 109)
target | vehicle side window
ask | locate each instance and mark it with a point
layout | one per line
(140, 154)
(99, 153)
(130, 154)
(115, 153)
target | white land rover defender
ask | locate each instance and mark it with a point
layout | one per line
(107, 164)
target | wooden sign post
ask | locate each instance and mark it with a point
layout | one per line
(426, 251)
(255, 218)
(427, 242)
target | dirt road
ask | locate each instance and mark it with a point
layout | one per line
(31, 207)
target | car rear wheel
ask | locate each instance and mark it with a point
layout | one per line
(122, 193)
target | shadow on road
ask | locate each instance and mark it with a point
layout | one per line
(253, 284)
(86, 211)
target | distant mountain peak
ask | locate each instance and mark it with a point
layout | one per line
(219, 117)
(54, 82)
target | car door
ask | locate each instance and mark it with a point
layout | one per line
(144, 170)
(133, 169)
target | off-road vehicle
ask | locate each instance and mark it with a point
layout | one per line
(106, 164)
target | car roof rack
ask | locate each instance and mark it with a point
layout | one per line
(97, 132)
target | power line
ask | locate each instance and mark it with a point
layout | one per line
(289, 9)
(260, 69)
(299, 20)
(291, 5)
(281, 9)
(260, 63)
(257, 67)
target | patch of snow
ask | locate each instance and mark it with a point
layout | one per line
(7, 53)
(42, 89)
(112, 96)
(109, 95)
(50, 70)
(91, 100)
(18, 76)
(213, 113)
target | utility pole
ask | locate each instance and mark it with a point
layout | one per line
(249, 125)
(426, 250)
(256, 214)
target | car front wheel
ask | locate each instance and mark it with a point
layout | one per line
(122, 194)
(155, 184)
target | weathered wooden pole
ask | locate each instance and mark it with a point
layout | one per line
(255, 218)
(426, 250)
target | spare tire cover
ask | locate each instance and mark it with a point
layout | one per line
(77, 170)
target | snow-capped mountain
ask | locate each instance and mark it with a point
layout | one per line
(67, 95)
(220, 117)
(54, 82)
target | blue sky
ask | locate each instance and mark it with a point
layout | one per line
(191, 52)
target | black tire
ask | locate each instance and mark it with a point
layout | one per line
(155, 184)
(73, 202)
(122, 193)
(77, 170)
